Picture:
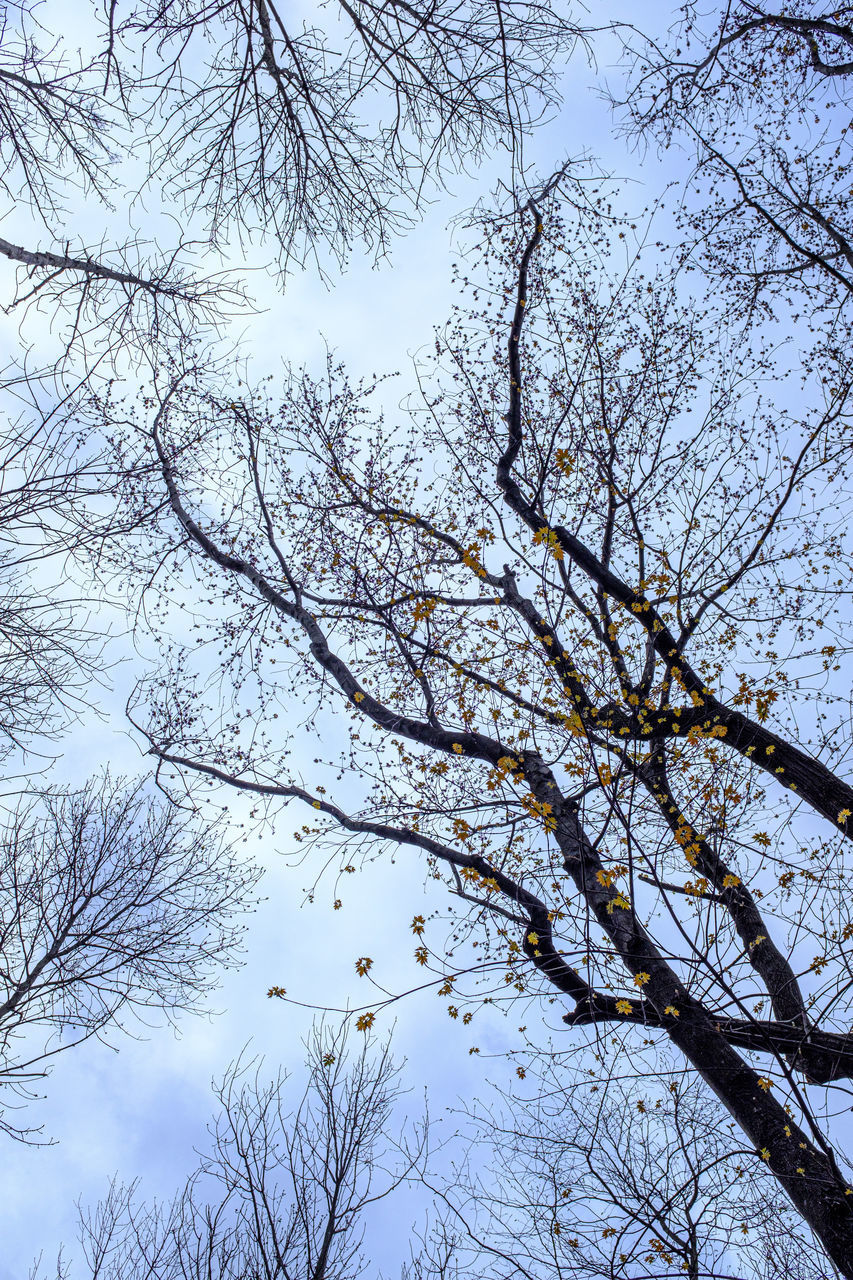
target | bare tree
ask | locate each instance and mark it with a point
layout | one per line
(111, 908)
(552, 609)
(63, 134)
(58, 493)
(56, 121)
(319, 136)
(612, 1177)
(760, 97)
(280, 1193)
(48, 663)
(312, 138)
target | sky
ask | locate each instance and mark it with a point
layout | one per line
(139, 1109)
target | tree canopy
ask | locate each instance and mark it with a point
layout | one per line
(569, 624)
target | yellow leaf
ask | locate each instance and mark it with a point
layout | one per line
(424, 609)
